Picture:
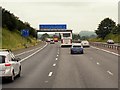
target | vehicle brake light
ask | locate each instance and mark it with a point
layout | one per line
(8, 64)
(71, 40)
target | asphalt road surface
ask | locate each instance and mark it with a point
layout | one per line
(54, 67)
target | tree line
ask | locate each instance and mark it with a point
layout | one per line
(13, 23)
(106, 27)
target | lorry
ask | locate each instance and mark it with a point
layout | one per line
(55, 38)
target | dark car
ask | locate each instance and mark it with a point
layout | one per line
(77, 48)
(52, 42)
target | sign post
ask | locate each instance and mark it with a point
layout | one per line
(25, 34)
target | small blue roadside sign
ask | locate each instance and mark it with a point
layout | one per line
(25, 32)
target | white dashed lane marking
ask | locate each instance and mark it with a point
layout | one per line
(98, 63)
(110, 73)
(91, 58)
(50, 74)
(46, 81)
(54, 65)
(56, 59)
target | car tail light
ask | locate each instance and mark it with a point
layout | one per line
(70, 40)
(62, 41)
(8, 64)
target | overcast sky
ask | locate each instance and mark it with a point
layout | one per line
(79, 15)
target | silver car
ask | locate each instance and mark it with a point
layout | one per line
(110, 41)
(9, 65)
(85, 43)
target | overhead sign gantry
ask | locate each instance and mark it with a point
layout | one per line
(53, 28)
(57, 28)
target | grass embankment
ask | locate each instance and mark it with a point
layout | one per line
(114, 37)
(14, 41)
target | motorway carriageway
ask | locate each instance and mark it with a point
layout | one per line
(50, 66)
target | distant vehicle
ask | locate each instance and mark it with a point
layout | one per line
(85, 43)
(76, 48)
(9, 65)
(76, 41)
(55, 38)
(110, 41)
(52, 42)
(48, 39)
(66, 39)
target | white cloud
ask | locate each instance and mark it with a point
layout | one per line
(77, 15)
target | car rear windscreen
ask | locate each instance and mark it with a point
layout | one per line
(66, 34)
(2, 59)
(76, 46)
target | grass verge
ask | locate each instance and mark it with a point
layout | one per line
(115, 37)
(13, 40)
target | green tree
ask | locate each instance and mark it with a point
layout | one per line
(44, 36)
(105, 27)
(84, 37)
(8, 20)
(11, 22)
(92, 36)
(76, 36)
(116, 29)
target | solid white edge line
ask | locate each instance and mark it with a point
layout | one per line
(33, 53)
(20, 53)
(106, 51)
(110, 73)
(27, 51)
(50, 74)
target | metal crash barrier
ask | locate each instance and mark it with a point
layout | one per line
(111, 46)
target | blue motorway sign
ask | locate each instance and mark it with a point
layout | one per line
(53, 26)
(25, 32)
